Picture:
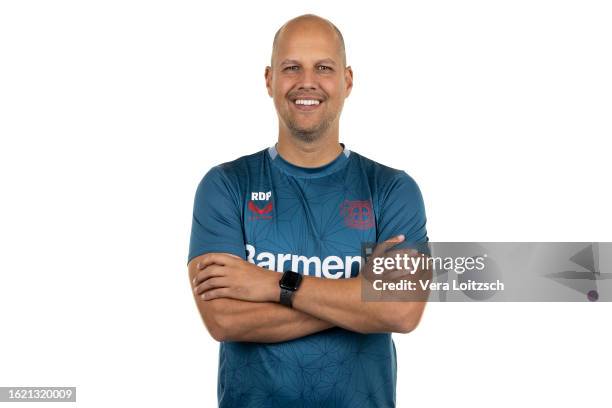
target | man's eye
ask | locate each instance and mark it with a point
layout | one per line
(324, 68)
(292, 68)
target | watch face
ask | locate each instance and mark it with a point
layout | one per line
(290, 280)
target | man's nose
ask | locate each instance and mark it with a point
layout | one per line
(308, 80)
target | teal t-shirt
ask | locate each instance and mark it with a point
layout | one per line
(312, 221)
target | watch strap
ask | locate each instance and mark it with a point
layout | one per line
(286, 297)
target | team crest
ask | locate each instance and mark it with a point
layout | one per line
(357, 214)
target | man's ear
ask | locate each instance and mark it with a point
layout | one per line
(268, 75)
(348, 79)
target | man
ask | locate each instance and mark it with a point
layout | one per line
(302, 207)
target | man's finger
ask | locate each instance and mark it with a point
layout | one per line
(208, 284)
(215, 294)
(215, 258)
(381, 248)
(397, 238)
(209, 272)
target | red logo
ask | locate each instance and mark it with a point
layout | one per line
(253, 207)
(357, 214)
(260, 213)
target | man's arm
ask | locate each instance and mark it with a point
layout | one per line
(337, 301)
(341, 301)
(265, 322)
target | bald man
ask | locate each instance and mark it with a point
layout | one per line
(274, 257)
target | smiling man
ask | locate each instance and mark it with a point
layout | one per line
(274, 257)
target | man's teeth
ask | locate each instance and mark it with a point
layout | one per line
(306, 102)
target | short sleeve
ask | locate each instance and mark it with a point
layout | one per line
(216, 224)
(402, 211)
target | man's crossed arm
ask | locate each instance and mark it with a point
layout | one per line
(229, 319)
(239, 302)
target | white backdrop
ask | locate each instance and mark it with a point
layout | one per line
(111, 112)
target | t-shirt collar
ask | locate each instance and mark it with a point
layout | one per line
(309, 172)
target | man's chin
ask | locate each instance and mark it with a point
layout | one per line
(306, 135)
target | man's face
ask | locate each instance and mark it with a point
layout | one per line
(308, 68)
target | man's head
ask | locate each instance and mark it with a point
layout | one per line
(308, 64)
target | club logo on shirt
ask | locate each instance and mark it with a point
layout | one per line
(260, 205)
(357, 214)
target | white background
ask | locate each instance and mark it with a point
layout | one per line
(111, 112)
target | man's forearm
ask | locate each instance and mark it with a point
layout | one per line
(264, 322)
(238, 320)
(339, 302)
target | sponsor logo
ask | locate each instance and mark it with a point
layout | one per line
(259, 210)
(357, 214)
(253, 207)
(259, 195)
(331, 267)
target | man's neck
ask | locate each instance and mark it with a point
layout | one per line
(309, 154)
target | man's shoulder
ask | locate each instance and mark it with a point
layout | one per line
(237, 169)
(243, 163)
(382, 175)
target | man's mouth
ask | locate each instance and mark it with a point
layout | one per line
(306, 104)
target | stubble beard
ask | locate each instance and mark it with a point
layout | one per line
(312, 134)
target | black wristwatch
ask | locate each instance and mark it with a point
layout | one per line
(289, 283)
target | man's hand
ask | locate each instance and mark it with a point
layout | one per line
(228, 276)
